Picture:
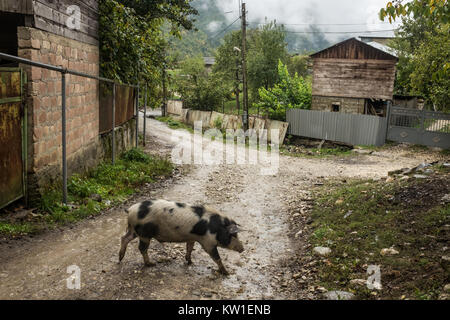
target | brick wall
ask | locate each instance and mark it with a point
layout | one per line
(346, 105)
(44, 104)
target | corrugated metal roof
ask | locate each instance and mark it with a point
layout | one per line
(382, 47)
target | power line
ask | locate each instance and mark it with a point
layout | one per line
(320, 24)
(341, 32)
(225, 29)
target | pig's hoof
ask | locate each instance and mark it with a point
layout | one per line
(149, 264)
(224, 272)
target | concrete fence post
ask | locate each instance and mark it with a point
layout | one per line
(145, 113)
(63, 134)
(137, 116)
(113, 139)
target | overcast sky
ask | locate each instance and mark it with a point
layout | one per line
(329, 15)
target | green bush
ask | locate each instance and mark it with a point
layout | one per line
(289, 92)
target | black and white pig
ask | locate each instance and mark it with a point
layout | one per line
(168, 221)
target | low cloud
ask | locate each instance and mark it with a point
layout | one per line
(328, 15)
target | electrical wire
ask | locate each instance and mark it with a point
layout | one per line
(342, 32)
(320, 24)
(225, 29)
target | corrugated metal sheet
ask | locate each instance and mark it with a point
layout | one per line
(354, 129)
(11, 164)
(419, 127)
(125, 106)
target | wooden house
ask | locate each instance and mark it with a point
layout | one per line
(353, 77)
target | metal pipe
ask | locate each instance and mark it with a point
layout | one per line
(145, 112)
(113, 140)
(63, 72)
(58, 69)
(137, 116)
(64, 147)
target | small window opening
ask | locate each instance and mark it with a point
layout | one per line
(335, 107)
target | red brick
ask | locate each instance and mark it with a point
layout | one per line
(42, 117)
(36, 73)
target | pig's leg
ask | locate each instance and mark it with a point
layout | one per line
(214, 254)
(143, 248)
(129, 236)
(189, 248)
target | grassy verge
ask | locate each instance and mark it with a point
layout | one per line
(174, 124)
(363, 217)
(315, 152)
(89, 194)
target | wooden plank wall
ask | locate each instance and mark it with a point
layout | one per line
(51, 16)
(353, 49)
(354, 78)
(17, 6)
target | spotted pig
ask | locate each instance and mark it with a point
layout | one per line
(168, 221)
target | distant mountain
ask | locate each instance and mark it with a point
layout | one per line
(212, 24)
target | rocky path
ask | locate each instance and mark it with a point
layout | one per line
(36, 268)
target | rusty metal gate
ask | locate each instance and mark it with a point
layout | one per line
(12, 135)
(423, 127)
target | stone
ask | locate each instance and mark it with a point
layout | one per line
(338, 295)
(444, 296)
(420, 176)
(362, 151)
(322, 251)
(445, 263)
(395, 172)
(358, 282)
(389, 252)
(447, 288)
(348, 214)
(446, 198)
(96, 197)
(389, 179)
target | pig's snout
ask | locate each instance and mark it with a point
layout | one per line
(236, 245)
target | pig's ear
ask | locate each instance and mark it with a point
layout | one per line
(233, 229)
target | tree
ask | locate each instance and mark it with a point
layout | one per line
(422, 47)
(433, 10)
(300, 64)
(228, 63)
(289, 92)
(132, 41)
(428, 78)
(199, 89)
(267, 46)
(178, 12)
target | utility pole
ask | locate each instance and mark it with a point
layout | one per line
(237, 89)
(164, 106)
(244, 66)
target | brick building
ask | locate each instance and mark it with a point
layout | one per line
(38, 30)
(353, 77)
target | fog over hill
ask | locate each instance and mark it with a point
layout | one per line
(311, 25)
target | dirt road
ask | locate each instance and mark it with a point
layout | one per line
(36, 268)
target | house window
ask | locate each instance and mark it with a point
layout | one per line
(335, 107)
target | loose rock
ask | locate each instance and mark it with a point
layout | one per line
(389, 252)
(339, 295)
(322, 251)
